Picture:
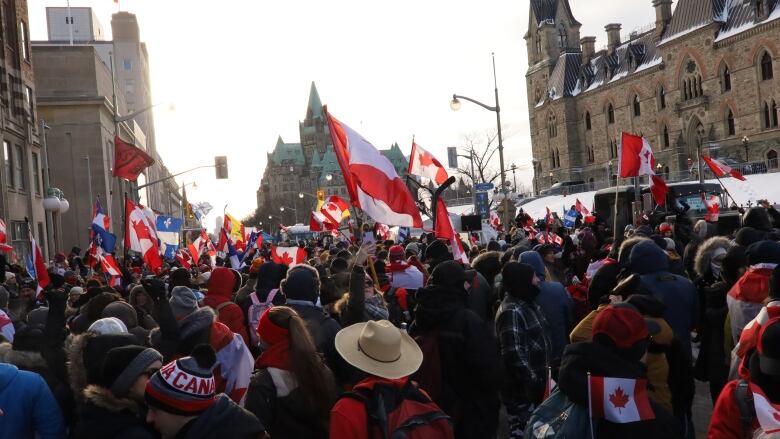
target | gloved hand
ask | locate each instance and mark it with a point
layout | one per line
(155, 288)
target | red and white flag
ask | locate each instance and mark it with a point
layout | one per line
(319, 222)
(445, 230)
(184, 258)
(197, 246)
(619, 400)
(109, 265)
(129, 160)
(371, 179)
(4, 247)
(495, 221)
(720, 169)
(424, 164)
(659, 189)
(335, 209)
(580, 208)
(768, 414)
(713, 207)
(140, 236)
(288, 256)
(636, 157)
(41, 273)
(382, 230)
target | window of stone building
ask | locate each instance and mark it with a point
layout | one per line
(23, 40)
(759, 8)
(606, 72)
(562, 37)
(587, 121)
(725, 79)
(661, 98)
(552, 126)
(36, 173)
(591, 154)
(637, 106)
(730, 127)
(20, 240)
(766, 67)
(771, 159)
(29, 103)
(610, 114)
(665, 137)
(691, 82)
(774, 113)
(19, 167)
(8, 162)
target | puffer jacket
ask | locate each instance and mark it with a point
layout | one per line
(29, 409)
(676, 292)
(223, 283)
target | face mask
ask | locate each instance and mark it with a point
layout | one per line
(716, 267)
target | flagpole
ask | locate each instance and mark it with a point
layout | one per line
(725, 190)
(590, 409)
(615, 210)
(124, 222)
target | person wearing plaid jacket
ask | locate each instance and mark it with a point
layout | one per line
(523, 335)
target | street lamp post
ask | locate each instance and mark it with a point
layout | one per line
(455, 105)
(514, 179)
(746, 145)
(536, 165)
(609, 173)
(295, 212)
(551, 178)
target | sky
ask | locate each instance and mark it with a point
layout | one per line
(239, 73)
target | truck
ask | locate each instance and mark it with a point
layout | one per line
(679, 195)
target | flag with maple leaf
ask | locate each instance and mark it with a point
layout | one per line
(713, 207)
(4, 247)
(581, 208)
(140, 235)
(619, 400)
(767, 413)
(288, 256)
(423, 164)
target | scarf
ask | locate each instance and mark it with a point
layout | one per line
(277, 355)
(397, 267)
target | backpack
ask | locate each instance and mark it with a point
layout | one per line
(256, 309)
(559, 418)
(429, 373)
(747, 411)
(402, 413)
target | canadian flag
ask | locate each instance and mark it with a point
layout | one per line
(335, 209)
(371, 180)
(382, 230)
(109, 265)
(288, 256)
(4, 247)
(768, 414)
(184, 258)
(720, 169)
(319, 222)
(713, 207)
(580, 208)
(495, 221)
(619, 400)
(424, 164)
(140, 236)
(445, 230)
(41, 273)
(636, 157)
(196, 247)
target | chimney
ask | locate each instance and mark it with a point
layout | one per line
(588, 45)
(663, 15)
(613, 37)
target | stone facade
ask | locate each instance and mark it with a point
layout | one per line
(304, 167)
(706, 76)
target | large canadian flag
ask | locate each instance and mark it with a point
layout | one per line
(619, 400)
(445, 230)
(768, 414)
(41, 273)
(713, 207)
(335, 209)
(636, 160)
(424, 164)
(288, 256)
(319, 222)
(140, 236)
(720, 169)
(371, 180)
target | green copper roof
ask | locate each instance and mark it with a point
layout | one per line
(315, 105)
(328, 164)
(287, 152)
(397, 158)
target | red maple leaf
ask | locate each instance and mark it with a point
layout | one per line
(776, 416)
(619, 399)
(286, 259)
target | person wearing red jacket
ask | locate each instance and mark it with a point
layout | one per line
(223, 283)
(734, 415)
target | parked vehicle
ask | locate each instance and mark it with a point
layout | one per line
(563, 187)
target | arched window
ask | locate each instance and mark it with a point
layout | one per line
(538, 44)
(562, 37)
(771, 159)
(552, 159)
(661, 98)
(725, 78)
(637, 106)
(552, 128)
(606, 72)
(587, 121)
(774, 113)
(767, 116)
(730, 128)
(557, 158)
(691, 82)
(759, 8)
(610, 114)
(665, 137)
(766, 67)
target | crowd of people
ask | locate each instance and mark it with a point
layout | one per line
(398, 339)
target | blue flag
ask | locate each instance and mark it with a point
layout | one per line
(168, 230)
(570, 219)
(101, 224)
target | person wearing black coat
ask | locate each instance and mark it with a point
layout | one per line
(466, 386)
(607, 277)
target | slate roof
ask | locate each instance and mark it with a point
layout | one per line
(286, 152)
(545, 10)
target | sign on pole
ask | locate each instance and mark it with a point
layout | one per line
(482, 205)
(452, 157)
(484, 187)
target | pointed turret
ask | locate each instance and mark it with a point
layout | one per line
(315, 105)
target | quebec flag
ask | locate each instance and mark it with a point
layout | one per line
(570, 219)
(168, 231)
(101, 226)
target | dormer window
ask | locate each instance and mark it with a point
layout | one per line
(759, 8)
(562, 37)
(631, 62)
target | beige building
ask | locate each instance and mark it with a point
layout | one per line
(705, 75)
(75, 98)
(21, 175)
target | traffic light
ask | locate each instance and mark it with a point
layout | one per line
(220, 166)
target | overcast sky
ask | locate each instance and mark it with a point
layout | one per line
(239, 73)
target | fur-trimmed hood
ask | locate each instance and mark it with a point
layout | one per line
(96, 346)
(704, 254)
(77, 373)
(24, 360)
(103, 398)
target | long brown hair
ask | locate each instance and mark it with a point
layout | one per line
(307, 366)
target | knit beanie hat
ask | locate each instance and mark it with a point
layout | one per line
(124, 364)
(183, 302)
(184, 387)
(396, 253)
(95, 351)
(301, 283)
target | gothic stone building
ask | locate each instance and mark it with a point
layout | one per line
(704, 76)
(307, 167)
